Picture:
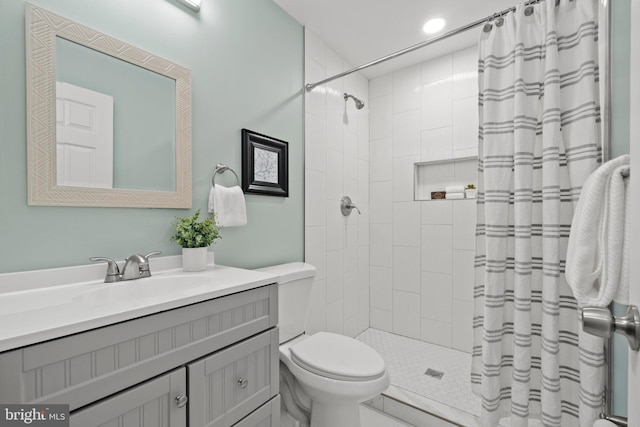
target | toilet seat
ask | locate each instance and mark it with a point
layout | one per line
(338, 357)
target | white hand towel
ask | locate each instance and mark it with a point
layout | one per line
(597, 254)
(228, 206)
(454, 189)
(454, 196)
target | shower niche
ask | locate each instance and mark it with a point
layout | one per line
(434, 176)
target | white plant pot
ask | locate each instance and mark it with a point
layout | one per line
(470, 194)
(194, 259)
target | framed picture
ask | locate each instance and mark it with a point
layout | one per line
(265, 165)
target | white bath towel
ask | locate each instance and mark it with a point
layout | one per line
(597, 267)
(454, 189)
(227, 203)
(454, 196)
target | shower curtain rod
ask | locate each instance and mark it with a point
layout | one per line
(310, 86)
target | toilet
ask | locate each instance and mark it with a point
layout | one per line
(325, 376)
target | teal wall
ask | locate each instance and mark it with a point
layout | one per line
(246, 59)
(620, 144)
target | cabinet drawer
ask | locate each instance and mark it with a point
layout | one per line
(268, 415)
(85, 367)
(151, 404)
(226, 386)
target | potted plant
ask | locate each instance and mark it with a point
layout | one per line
(470, 191)
(195, 237)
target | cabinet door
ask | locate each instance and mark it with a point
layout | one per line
(230, 384)
(268, 415)
(151, 404)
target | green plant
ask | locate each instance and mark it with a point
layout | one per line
(193, 234)
(471, 187)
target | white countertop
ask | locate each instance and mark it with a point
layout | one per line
(54, 310)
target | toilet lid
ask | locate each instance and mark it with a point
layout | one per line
(338, 357)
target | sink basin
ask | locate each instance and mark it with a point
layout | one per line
(145, 289)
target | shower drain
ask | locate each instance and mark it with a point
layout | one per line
(434, 374)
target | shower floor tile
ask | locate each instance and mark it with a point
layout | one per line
(408, 359)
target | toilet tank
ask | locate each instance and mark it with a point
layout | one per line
(294, 289)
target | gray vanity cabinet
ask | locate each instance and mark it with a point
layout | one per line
(221, 353)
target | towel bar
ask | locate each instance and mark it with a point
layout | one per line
(220, 168)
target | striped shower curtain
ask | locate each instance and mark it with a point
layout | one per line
(539, 141)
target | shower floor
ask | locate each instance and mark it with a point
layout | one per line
(407, 360)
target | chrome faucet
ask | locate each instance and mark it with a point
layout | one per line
(135, 267)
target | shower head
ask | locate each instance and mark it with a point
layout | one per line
(359, 104)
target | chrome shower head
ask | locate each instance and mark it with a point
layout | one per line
(359, 104)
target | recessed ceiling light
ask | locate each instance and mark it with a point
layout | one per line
(434, 25)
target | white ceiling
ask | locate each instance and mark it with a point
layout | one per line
(364, 30)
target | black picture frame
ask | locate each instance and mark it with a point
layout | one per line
(265, 165)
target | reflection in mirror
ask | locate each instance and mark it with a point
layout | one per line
(108, 124)
(115, 122)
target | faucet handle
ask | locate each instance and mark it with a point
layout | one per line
(113, 271)
(152, 254)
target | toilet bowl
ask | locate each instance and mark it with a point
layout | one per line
(324, 376)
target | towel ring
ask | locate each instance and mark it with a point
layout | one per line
(220, 168)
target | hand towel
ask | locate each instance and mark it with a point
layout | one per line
(597, 268)
(454, 189)
(228, 205)
(454, 196)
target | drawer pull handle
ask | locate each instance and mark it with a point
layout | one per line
(243, 382)
(181, 401)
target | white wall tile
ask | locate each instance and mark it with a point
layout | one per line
(465, 123)
(437, 296)
(406, 133)
(336, 225)
(462, 326)
(351, 190)
(380, 202)
(335, 175)
(351, 247)
(335, 275)
(335, 317)
(406, 314)
(315, 101)
(351, 326)
(350, 156)
(436, 144)
(363, 308)
(380, 117)
(315, 143)
(315, 249)
(463, 274)
(406, 269)
(381, 287)
(437, 212)
(380, 245)
(380, 86)
(363, 181)
(351, 295)
(437, 69)
(403, 176)
(363, 224)
(316, 319)
(314, 47)
(315, 201)
(334, 128)
(464, 224)
(380, 162)
(436, 332)
(381, 319)
(436, 248)
(466, 172)
(406, 89)
(465, 73)
(363, 135)
(406, 224)
(437, 104)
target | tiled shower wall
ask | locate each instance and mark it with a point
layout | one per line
(421, 252)
(336, 164)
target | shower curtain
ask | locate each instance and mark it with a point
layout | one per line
(539, 140)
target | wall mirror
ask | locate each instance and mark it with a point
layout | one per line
(108, 124)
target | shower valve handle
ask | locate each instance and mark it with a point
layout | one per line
(601, 323)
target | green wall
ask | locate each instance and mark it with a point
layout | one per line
(620, 144)
(246, 59)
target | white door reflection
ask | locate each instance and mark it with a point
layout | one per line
(84, 128)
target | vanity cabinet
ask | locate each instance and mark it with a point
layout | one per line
(222, 354)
